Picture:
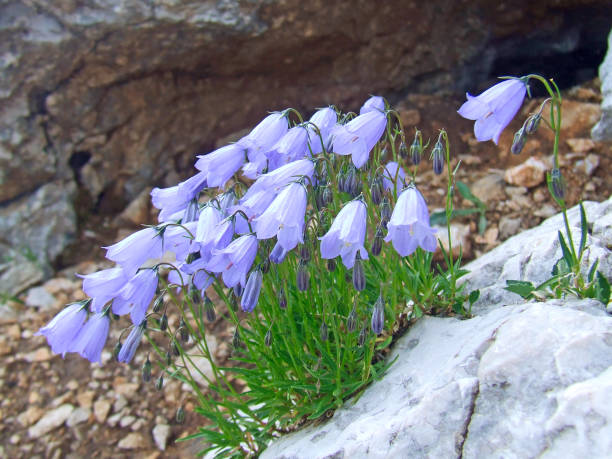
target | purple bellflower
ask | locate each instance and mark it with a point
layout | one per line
(409, 225)
(102, 286)
(128, 349)
(346, 235)
(325, 120)
(290, 147)
(494, 109)
(358, 137)
(260, 140)
(250, 295)
(131, 252)
(64, 327)
(136, 296)
(92, 337)
(285, 217)
(178, 240)
(373, 103)
(220, 165)
(276, 180)
(389, 176)
(175, 199)
(235, 260)
(256, 203)
(278, 254)
(200, 278)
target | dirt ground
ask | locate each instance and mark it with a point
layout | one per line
(107, 411)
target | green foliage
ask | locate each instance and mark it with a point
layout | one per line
(439, 218)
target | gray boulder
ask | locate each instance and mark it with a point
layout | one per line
(602, 131)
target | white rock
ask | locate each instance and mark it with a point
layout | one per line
(101, 410)
(132, 441)
(603, 129)
(39, 297)
(161, 432)
(50, 421)
(78, 416)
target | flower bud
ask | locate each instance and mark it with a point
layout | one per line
(146, 370)
(376, 190)
(416, 151)
(236, 340)
(282, 298)
(557, 183)
(324, 331)
(403, 150)
(532, 123)
(194, 294)
(191, 212)
(520, 137)
(351, 321)
(268, 338)
(159, 383)
(168, 358)
(378, 316)
(175, 349)
(437, 155)
(354, 185)
(180, 415)
(363, 334)
(278, 254)
(265, 266)
(116, 350)
(163, 322)
(238, 289)
(359, 280)
(251, 291)
(303, 277)
(331, 265)
(385, 212)
(378, 240)
(327, 196)
(158, 303)
(183, 332)
(305, 251)
(342, 178)
(209, 309)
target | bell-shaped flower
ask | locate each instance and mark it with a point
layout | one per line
(290, 147)
(213, 231)
(261, 140)
(178, 239)
(174, 200)
(494, 109)
(276, 180)
(409, 226)
(346, 235)
(136, 296)
(128, 349)
(131, 252)
(373, 103)
(324, 120)
(250, 295)
(195, 272)
(235, 260)
(358, 137)
(256, 203)
(102, 286)
(391, 174)
(285, 217)
(92, 337)
(277, 254)
(64, 327)
(220, 165)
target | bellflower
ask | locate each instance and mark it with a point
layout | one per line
(346, 235)
(178, 240)
(358, 137)
(176, 198)
(220, 165)
(102, 286)
(285, 217)
(213, 231)
(128, 349)
(235, 260)
(278, 254)
(251, 291)
(256, 203)
(92, 337)
(64, 327)
(199, 277)
(136, 296)
(131, 252)
(373, 103)
(409, 225)
(391, 169)
(325, 120)
(260, 140)
(494, 109)
(276, 180)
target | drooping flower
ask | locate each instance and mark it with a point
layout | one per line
(235, 260)
(290, 147)
(373, 103)
(260, 140)
(278, 253)
(173, 200)
(128, 349)
(102, 286)
(92, 337)
(494, 109)
(378, 316)
(358, 137)
(62, 330)
(409, 225)
(131, 252)
(276, 180)
(390, 174)
(178, 239)
(251, 291)
(346, 235)
(136, 296)
(325, 120)
(285, 217)
(220, 165)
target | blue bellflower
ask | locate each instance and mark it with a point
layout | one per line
(260, 140)
(128, 349)
(409, 225)
(494, 109)
(220, 165)
(285, 217)
(62, 330)
(102, 286)
(290, 147)
(235, 260)
(346, 235)
(325, 120)
(92, 337)
(374, 103)
(136, 296)
(391, 169)
(131, 252)
(278, 179)
(358, 137)
(174, 200)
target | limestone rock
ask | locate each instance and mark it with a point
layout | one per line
(528, 174)
(101, 410)
(132, 441)
(161, 432)
(603, 129)
(78, 416)
(490, 187)
(39, 297)
(50, 421)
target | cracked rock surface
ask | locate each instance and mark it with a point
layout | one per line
(516, 380)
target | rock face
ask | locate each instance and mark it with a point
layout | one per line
(524, 380)
(111, 97)
(603, 129)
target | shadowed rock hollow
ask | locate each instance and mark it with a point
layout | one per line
(100, 99)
